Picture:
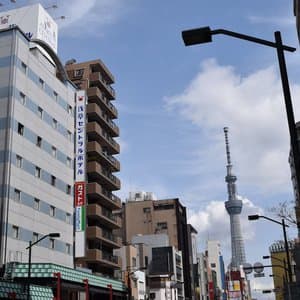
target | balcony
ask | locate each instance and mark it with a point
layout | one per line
(97, 79)
(98, 173)
(98, 256)
(95, 113)
(96, 193)
(95, 152)
(96, 133)
(96, 96)
(107, 238)
(103, 216)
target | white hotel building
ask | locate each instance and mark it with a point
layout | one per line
(36, 149)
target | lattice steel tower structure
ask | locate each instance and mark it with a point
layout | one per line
(234, 208)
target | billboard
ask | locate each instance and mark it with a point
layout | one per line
(80, 174)
(34, 21)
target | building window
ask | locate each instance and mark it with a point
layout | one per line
(52, 211)
(78, 72)
(68, 218)
(213, 265)
(39, 141)
(69, 134)
(133, 262)
(19, 161)
(24, 67)
(54, 123)
(37, 172)
(15, 232)
(23, 98)
(35, 237)
(53, 180)
(70, 110)
(55, 95)
(54, 151)
(17, 195)
(68, 189)
(52, 244)
(146, 210)
(69, 161)
(37, 203)
(68, 248)
(41, 83)
(162, 225)
(20, 129)
(40, 112)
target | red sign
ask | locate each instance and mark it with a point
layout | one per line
(211, 290)
(80, 193)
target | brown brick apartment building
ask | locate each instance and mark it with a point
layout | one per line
(96, 79)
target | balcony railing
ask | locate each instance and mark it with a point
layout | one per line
(96, 76)
(93, 92)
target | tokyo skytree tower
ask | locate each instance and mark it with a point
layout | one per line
(234, 208)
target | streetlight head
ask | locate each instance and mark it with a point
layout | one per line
(266, 256)
(196, 36)
(253, 217)
(54, 235)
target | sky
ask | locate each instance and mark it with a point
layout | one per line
(174, 101)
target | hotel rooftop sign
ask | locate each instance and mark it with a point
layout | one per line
(34, 21)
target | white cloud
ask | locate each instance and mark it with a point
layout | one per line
(252, 106)
(213, 223)
(280, 21)
(90, 16)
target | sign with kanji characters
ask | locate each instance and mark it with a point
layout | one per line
(80, 174)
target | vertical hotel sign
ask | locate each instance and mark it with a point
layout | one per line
(80, 171)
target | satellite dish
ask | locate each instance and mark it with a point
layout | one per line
(258, 267)
(247, 268)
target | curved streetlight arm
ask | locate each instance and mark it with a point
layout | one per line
(275, 221)
(251, 39)
(54, 235)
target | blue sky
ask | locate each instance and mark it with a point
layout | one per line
(174, 101)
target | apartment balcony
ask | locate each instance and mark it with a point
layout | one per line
(98, 173)
(96, 96)
(96, 152)
(103, 216)
(98, 256)
(95, 113)
(96, 193)
(96, 133)
(96, 79)
(105, 237)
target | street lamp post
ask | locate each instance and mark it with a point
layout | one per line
(204, 35)
(286, 247)
(31, 244)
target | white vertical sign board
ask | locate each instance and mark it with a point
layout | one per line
(34, 21)
(80, 174)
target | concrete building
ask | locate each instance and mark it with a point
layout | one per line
(144, 216)
(133, 270)
(279, 269)
(166, 274)
(216, 265)
(202, 276)
(96, 79)
(36, 149)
